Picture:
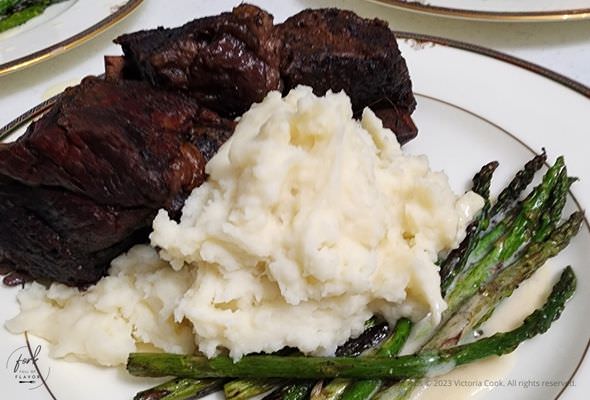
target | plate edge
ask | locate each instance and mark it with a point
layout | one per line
(497, 55)
(420, 38)
(71, 42)
(492, 16)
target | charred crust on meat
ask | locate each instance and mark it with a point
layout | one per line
(84, 182)
(227, 62)
(332, 49)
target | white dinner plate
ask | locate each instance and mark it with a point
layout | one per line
(61, 27)
(474, 106)
(497, 10)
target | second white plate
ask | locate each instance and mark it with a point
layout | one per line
(497, 10)
(61, 27)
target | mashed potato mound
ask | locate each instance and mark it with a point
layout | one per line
(310, 223)
(133, 305)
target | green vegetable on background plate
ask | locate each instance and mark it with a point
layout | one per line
(16, 12)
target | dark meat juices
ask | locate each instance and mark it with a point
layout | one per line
(84, 182)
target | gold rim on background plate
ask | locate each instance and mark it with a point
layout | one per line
(71, 42)
(43, 107)
(521, 16)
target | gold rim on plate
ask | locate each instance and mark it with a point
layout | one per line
(533, 16)
(71, 42)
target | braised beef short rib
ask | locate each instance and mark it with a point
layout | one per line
(331, 49)
(229, 61)
(85, 181)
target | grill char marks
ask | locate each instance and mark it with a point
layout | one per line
(331, 49)
(84, 182)
(227, 62)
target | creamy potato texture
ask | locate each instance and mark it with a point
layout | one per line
(310, 222)
(134, 304)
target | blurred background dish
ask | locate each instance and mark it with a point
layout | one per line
(497, 10)
(60, 27)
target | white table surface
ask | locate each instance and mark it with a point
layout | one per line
(561, 46)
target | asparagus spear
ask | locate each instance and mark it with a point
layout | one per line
(509, 279)
(479, 307)
(181, 389)
(500, 243)
(375, 331)
(389, 348)
(551, 310)
(556, 203)
(364, 389)
(293, 391)
(374, 334)
(506, 204)
(332, 390)
(456, 260)
(521, 230)
(521, 180)
(243, 389)
(412, 366)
